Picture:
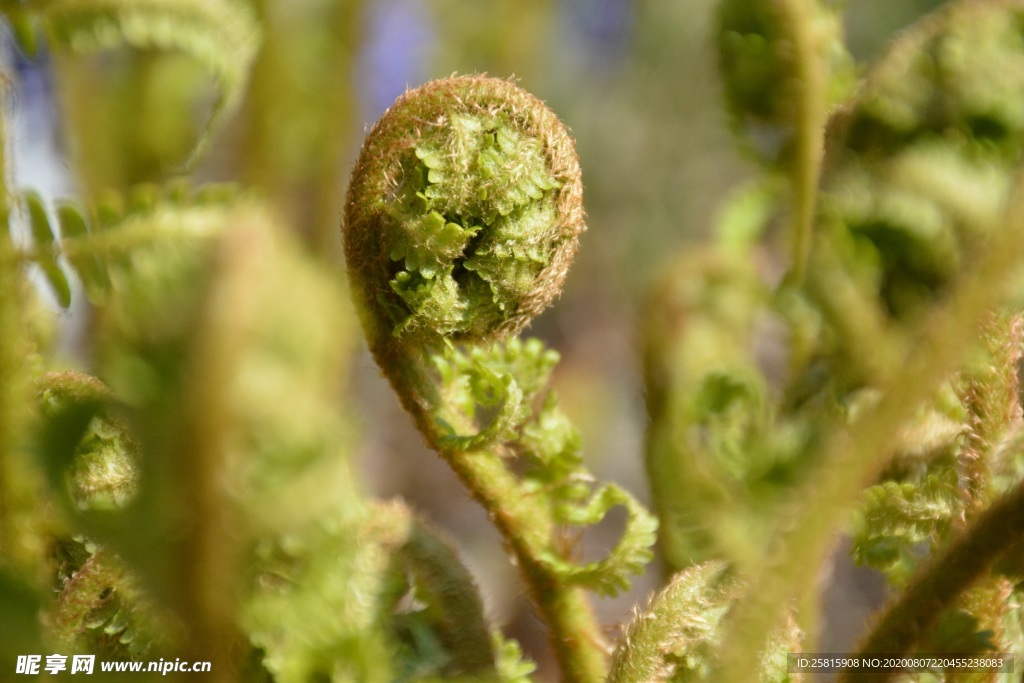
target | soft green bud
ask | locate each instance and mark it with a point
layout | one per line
(104, 473)
(463, 212)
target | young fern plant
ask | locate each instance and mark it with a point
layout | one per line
(461, 221)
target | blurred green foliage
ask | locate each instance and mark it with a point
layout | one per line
(180, 483)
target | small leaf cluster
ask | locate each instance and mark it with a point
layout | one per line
(100, 607)
(505, 384)
(951, 465)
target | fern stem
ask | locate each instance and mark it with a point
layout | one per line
(526, 528)
(853, 457)
(574, 633)
(811, 115)
(206, 580)
(945, 578)
(309, 190)
(524, 523)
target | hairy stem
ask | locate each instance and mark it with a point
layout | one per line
(944, 579)
(811, 116)
(524, 523)
(574, 633)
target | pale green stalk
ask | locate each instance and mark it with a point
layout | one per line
(809, 135)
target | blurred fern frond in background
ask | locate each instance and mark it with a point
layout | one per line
(794, 325)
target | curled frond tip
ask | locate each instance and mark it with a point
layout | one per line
(463, 212)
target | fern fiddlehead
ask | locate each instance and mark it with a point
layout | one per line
(461, 220)
(463, 212)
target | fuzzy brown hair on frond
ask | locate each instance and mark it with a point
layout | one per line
(463, 213)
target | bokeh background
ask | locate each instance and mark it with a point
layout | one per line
(636, 82)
